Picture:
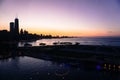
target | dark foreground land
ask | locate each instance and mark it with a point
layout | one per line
(60, 62)
(106, 54)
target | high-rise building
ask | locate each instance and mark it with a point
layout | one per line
(12, 30)
(12, 27)
(16, 26)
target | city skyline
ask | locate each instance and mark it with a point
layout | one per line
(63, 17)
(14, 29)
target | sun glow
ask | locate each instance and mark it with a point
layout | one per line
(59, 17)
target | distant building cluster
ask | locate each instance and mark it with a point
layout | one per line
(14, 29)
(15, 34)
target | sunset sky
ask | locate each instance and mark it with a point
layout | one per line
(63, 17)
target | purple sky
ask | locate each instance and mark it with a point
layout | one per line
(69, 17)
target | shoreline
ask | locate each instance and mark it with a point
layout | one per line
(72, 54)
(108, 54)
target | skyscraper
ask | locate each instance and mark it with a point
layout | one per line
(17, 26)
(12, 27)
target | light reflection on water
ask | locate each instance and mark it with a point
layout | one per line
(112, 41)
(28, 68)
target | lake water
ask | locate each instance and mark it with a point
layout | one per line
(111, 41)
(28, 68)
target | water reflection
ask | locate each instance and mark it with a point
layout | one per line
(28, 68)
(113, 41)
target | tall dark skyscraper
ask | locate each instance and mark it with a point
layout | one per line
(12, 27)
(16, 26)
(12, 30)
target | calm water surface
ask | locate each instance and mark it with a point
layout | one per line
(111, 41)
(28, 68)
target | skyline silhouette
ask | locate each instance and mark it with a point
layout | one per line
(59, 39)
(16, 34)
(64, 17)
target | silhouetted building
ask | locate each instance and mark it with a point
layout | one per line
(16, 26)
(12, 30)
(16, 37)
(25, 32)
(21, 32)
(4, 35)
(12, 27)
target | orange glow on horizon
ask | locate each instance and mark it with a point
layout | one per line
(71, 33)
(83, 18)
(54, 32)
